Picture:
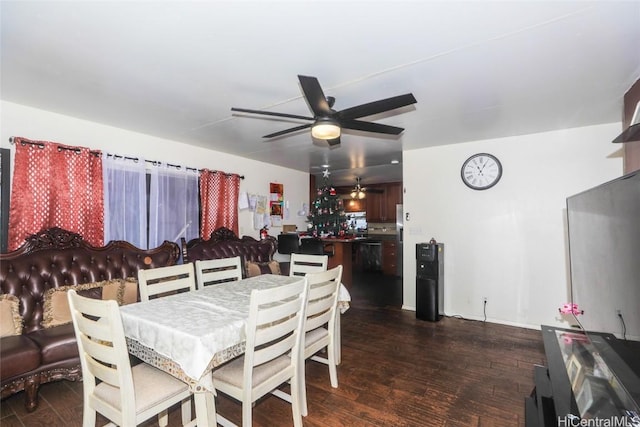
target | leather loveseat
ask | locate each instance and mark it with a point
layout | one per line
(49, 260)
(224, 243)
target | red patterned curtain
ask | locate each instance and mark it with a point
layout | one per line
(55, 185)
(219, 193)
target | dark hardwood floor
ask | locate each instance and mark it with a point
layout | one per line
(396, 371)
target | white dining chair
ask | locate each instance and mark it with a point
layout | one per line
(215, 271)
(273, 354)
(160, 281)
(302, 264)
(320, 329)
(126, 395)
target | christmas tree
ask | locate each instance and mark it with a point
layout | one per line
(327, 215)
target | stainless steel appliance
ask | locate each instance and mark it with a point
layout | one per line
(399, 238)
(371, 255)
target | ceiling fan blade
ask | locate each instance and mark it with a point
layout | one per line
(286, 131)
(335, 141)
(271, 113)
(370, 127)
(315, 96)
(376, 107)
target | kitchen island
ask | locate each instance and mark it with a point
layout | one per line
(342, 250)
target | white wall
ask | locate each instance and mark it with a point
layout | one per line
(31, 123)
(506, 243)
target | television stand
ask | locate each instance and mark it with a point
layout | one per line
(585, 363)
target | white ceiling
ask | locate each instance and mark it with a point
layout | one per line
(174, 69)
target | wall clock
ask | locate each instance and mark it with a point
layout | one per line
(481, 171)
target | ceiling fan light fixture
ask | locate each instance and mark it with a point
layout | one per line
(325, 128)
(357, 192)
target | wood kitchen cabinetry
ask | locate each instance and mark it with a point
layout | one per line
(389, 257)
(381, 207)
(354, 205)
(374, 206)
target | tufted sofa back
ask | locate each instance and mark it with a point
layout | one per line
(56, 257)
(225, 244)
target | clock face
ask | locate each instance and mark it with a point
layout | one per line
(481, 171)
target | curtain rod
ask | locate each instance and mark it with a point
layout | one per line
(155, 163)
(41, 145)
(97, 153)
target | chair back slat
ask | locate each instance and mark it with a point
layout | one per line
(278, 349)
(302, 264)
(267, 334)
(216, 271)
(160, 281)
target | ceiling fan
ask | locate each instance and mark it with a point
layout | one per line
(327, 122)
(359, 192)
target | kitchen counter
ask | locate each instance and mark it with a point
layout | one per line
(339, 240)
(380, 237)
(342, 255)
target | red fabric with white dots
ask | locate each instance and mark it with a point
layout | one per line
(219, 193)
(55, 185)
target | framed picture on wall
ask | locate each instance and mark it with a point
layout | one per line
(276, 203)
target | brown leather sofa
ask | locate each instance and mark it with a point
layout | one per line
(50, 259)
(224, 243)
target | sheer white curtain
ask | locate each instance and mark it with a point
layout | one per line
(125, 206)
(173, 208)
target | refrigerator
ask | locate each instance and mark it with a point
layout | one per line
(399, 238)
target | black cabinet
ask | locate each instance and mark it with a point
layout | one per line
(429, 281)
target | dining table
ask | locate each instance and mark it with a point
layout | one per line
(189, 334)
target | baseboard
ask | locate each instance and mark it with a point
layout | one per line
(482, 319)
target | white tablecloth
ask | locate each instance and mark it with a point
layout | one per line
(190, 333)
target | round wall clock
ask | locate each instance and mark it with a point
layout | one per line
(481, 171)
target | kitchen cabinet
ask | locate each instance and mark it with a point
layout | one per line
(354, 205)
(393, 198)
(389, 257)
(381, 207)
(373, 203)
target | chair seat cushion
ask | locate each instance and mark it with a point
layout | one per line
(151, 387)
(19, 355)
(56, 343)
(232, 372)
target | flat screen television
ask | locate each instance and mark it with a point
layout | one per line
(604, 250)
